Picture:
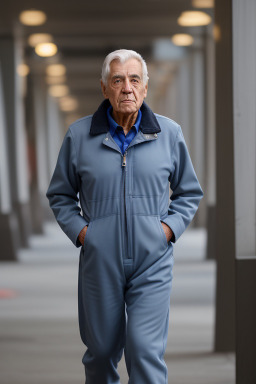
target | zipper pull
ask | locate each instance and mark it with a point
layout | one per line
(124, 160)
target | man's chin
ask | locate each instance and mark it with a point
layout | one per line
(128, 109)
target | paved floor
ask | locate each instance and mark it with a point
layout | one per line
(39, 335)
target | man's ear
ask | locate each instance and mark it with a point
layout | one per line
(146, 91)
(104, 89)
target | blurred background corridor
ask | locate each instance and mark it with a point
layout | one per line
(201, 57)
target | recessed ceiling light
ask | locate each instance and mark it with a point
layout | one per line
(194, 19)
(46, 49)
(58, 90)
(55, 79)
(56, 70)
(39, 38)
(32, 17)
(23, 70)
(203, 3)
(182, 39)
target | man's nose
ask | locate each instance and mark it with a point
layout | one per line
(127, 86)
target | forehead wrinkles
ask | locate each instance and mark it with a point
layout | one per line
(130, 67)
(122, 76)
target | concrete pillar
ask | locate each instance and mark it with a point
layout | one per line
(196, 124)
(55, 131)
(36, 210)
(244, 97)
(40, 182)
(210, 142)
(225, 214)
(8, 222)
(40, 120)
(11, 57)
(162, 95)
(183, 97)
(48, 135)
(170, 98)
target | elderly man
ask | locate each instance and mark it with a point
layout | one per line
(119, 163)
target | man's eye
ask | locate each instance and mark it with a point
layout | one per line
(117, 81)
(135, 80)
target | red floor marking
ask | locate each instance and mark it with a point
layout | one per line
(7, 293)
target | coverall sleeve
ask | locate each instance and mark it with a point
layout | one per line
(63, 191)
(186, 190)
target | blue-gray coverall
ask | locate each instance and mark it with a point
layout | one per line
(125, 267)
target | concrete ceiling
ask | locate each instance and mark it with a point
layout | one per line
(85, 31)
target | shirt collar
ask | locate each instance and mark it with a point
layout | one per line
(100, 124)
(113, 125)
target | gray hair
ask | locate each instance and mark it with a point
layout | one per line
(123, 55)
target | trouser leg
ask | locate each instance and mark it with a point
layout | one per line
(101, 318)
(148, 298)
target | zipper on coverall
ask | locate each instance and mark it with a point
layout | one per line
(124, 205)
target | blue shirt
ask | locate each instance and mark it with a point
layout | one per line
(117, 131)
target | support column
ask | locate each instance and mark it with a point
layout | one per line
(36, 209)
(225, 215)
(10, 57)
(8, 222)
(48, 135)
(210, 144)
(196, 125)
(55, 131)
(183, 97)
(39, 92)
(170, 99)
(244, 87)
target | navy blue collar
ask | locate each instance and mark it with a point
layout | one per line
(113, 124)
(100, 124)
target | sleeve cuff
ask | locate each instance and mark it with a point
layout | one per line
(175, 226)
(77, 225)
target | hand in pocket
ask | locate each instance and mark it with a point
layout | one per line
(82, 234)
(167, 230)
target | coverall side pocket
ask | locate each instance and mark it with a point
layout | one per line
(87, 236)
(162, 231)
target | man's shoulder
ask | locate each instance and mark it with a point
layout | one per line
(167, 123)
(81, 125)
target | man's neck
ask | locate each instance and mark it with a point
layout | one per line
(125, 121)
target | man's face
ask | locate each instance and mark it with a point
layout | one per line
(125, 89)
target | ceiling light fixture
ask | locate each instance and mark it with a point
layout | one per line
(23, 70)
(56, 70)
(46, 49)
(39, 38)
(182, 39)
(203, 3)
(32, 17)
(194, 19)
(58, 90)
(55, 79)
